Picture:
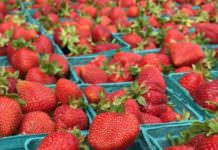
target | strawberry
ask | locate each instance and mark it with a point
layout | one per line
(195, 141)
(110, 124)
(153, 21)
(101, 47)
(36, 75)
(180, 147)
(206, 95)
(92, 74)
(66, 91)
(36, 122)
(116, 94)
(151, 59)
(92, 93)
(155, 95)
(126, 3)
(43, 45)
(132, 107)
(100, 33)
(208, 143)
(67, 117)
(146, 118)
(132, 39)
(22, 32)
(37, 97)
(183, 69)
(59, 140)
(151, 74)
(181, 55)
(191, 81)
(169, 115)
(117, 14)
(10, 116)
(24, 59)
(89, 10)
(155, 110)
(133, 11)
(61, 61)
(98, 61)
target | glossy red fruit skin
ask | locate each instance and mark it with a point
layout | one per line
(37, 96)
(93, 75)
(92, 93)
(43, 45)
(191, 81)
(205, 92)
(155, 110)
(146, 118)
(117, 13)
(99, 60)
(183, 69)
(67, 117)
(195, 141)
(180, 147)
(36, 75)
(115, 94)
(36, 122)
(132, 107)
(67, 90)
(132, 39)
(209, 143)
(110, 124)
(59, 140)
(133, 11)
(101, 33)
(10, 116)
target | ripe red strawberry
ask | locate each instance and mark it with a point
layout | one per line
(36, 122)
(183, 69)
(126, 3)
(155, 110)
(101, 47)
(22, 32)
(66, 91)
(206, 95)
(133, 11)
(24, 59)
(121, 128)
(117, 14)
(89, 10)
(195, 141)
(169, 115)
(180, 147)
(151, 59)
(132, 39)
(100, 33)
(98, 61)
(155, 95)
(185, 53)
(153, 21)
(61, 62)
(151, 74)
(37, 97)
(191, 81)
(209, 7)
(146, 118)
(67, 117)
(116, 94)
(43, 45)
(36, 75)
(92, 93)
(59, 140)
(132, 107)
(10, 116)
(209, 143)
(2, 8)
(92, 74)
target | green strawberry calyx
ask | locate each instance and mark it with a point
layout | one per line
(208, 127)
(5, 38)
(50, 68)
(64, 10)
(21, 43)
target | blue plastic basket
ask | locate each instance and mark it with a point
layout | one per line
(182, 92)
(156, 136)
(178, 103)
(33, 143)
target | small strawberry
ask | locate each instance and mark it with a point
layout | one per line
(101, 47)
(132, 39)
(117, 13)
(36, 122)
(37, 97)
(66, 91)
(92, 74)
(169, 115)
(59, 140)
(67, 117)
(124, 126)
(155, 110)
(146, 118)
(10, 116)
(43, 45)
(183, 69)
(116, 94)
(92, 93)
(133, 11)
(132, 107)
(99, 61)
(100, 33)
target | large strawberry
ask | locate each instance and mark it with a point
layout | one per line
(36, 122)
(10, 116)
(43, 45)
(112, 125)
(92, 74)
(66, 91)
(67, 117)
(59, 140)
(206, 95)
(37, 97)
(100, 33)
(185, 53)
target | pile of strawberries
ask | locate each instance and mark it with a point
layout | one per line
(123, 53)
